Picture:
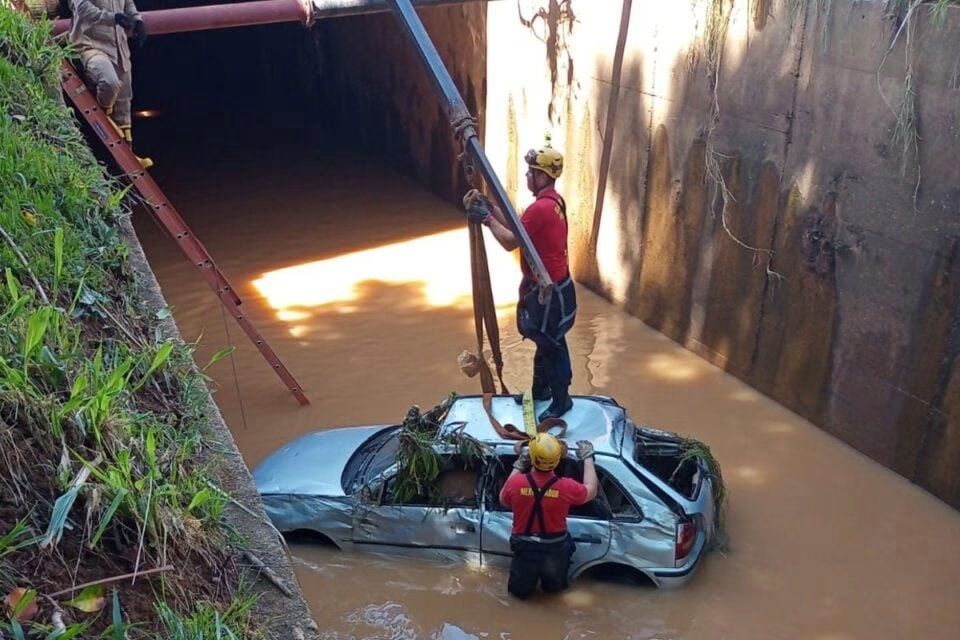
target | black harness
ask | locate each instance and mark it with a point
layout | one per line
(537, 511)
(540, 313)
(566, 221)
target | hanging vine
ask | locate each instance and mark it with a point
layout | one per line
(906, 132)
(715, 33)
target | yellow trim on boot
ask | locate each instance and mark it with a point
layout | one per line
(146, 163)
(116, 127)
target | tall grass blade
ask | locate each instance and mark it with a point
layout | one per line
(117, 197)
(12, 285)
(15, 308)
(58, 519)
(36, 330)
(218, 356)
(73, 631)
(163, 353)
(57, 260)
(108, 516)
(201, 498)
(7, 542)
(17, 630)
(117, 626)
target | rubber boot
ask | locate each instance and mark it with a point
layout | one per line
(540, 389)
(560, 405)
(146, 163)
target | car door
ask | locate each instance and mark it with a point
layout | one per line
(589, 530)
(419, 529)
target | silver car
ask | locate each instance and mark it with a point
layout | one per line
(653, 516)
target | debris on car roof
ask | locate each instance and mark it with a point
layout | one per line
(418, 461)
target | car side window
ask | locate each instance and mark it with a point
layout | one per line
(496, 472)
(620, 504)
(596, 509)
(454, 486)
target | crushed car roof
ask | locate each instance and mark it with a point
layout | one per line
(594, 418)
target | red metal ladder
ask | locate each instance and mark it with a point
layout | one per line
(164, 211)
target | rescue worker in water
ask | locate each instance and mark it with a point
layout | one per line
(99, 34)
(540, 500)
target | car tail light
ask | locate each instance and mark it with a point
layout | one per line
(686, 536)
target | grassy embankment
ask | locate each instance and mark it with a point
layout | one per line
(100, 422)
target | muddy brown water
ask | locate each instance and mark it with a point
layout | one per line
(360, 282)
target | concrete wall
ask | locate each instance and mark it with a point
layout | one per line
(378, 93)
(818, 278)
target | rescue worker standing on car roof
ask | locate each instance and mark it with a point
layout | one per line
(99, 34)
(540, 500)
(546, 324)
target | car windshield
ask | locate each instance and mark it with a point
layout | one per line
(371, 458)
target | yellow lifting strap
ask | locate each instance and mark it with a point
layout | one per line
(529, 415)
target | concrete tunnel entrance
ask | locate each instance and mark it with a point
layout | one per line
(347, 85)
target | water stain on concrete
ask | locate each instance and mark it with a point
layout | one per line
(761, 12)
(928, 426)
(739, 273)
(794, 361)
(672, 229)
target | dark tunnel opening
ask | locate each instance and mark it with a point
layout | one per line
(348, 87)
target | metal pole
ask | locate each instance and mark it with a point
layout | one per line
(338, 8)
(243, 14)
(463, 125)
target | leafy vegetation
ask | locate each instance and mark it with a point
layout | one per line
(101, 472)
(419, 465)
(696, 450)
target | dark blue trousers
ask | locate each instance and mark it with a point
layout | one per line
(547, 326)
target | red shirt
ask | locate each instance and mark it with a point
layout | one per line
(546, 224)
(562, 495)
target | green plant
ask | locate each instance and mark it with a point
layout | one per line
(698, 451)
(207, 621)
(418, 461)
(100, 417)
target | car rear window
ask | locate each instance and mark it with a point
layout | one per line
(371, 458)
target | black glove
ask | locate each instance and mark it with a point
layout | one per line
(479, 212)
(123, 20)
(584, 449)
(477, 206)
(522, 463)
(139, 32)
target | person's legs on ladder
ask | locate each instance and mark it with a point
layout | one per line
(121, 113)
(103, 74)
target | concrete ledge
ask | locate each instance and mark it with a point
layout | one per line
(284, 616)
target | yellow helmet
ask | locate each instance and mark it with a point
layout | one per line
(547, 159)
(545, 452)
